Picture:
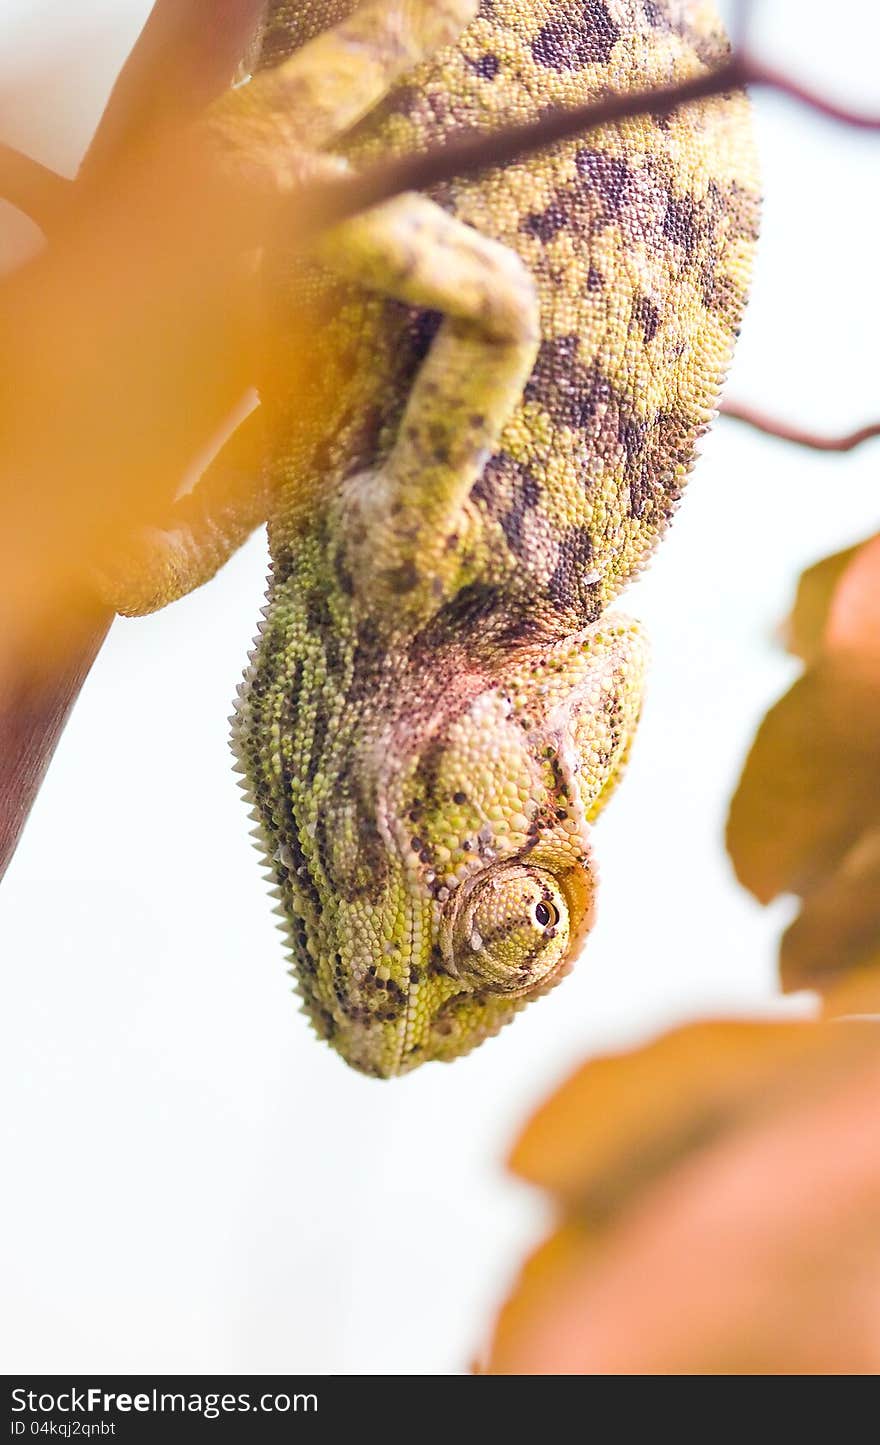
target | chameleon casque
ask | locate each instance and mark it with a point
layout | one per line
(500, 402)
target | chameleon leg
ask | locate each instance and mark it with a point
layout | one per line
(412, 514)
(333, 80)
(199, 534)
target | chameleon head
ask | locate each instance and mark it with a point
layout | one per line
(449, 869)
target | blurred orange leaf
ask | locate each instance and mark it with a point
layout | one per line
(806, 815)
(129, 341)
(125, 346)
(838, 928)
(626, 1117)
(804, 629)
(854, 616)
(811, 783)
(750, 1246)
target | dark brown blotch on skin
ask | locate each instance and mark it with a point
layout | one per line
(487, 66)
(585, 36)
(647, 314)
(606, 176)
(546, 224)
(681, 223)
(565, 586)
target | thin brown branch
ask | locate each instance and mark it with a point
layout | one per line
(477, 151)
(769, 79)
(773, 427)
(36, 190)
(33, 714)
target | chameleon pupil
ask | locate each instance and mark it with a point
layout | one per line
(544, 915)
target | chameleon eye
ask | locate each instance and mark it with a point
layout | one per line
(546, 914)
(510, 930)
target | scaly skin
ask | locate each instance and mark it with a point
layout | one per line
(439, 703)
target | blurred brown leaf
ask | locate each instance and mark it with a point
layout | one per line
(131, 339)
(811, 783)
(745, 1238)
(854, 616)
(124, 347)
(806, 815)
(804, 629)
(626, 1117)
(838, 928)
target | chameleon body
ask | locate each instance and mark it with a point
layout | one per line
(480, 446)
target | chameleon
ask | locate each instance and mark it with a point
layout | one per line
(480, 445)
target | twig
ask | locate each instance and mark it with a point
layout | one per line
(468, 155)
(33, 715)
(770, 79)
(771, 427)
(476, 151)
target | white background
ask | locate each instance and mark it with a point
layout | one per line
(193, 1183)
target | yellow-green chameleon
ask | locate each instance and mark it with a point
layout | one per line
(479, 446)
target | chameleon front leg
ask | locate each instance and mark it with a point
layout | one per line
(160, 564)
(332, 81)
(407, 523)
